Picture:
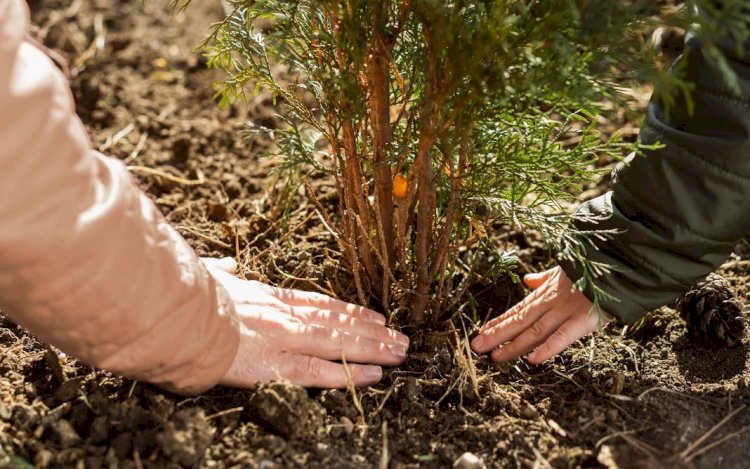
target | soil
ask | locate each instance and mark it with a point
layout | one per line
(647, 399)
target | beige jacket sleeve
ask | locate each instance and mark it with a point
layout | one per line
(87, 263)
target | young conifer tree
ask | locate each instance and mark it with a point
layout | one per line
(441, 118)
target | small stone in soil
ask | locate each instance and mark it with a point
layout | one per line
(217, 212)
(43, 458)
(530, 412)
(181, 149)
(99, 432)
(742, 383)
(68, 390)
(347, 424)
(5, 412)
(469, 461)
(65, 434)
(303, 256)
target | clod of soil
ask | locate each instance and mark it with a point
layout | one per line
(287, 410)
(186, 437)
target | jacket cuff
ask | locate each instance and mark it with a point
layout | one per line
(630, 296)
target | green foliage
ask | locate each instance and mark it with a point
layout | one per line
(490, 104)
(721, 22)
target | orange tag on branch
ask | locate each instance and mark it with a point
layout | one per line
(399, 186)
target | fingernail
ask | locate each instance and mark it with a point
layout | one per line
(377, 318)
(402, 339)
(497, 354)
(532, 358)
(374, 373)
(478, 343)
(398, 350)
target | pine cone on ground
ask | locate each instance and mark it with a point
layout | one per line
(712, 314)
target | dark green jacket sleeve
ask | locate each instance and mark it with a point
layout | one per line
(681, 208)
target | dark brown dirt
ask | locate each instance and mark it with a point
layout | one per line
(612, 401)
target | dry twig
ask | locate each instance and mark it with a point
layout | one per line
(224, 412)
(687, 455)
(156, 172)
(137, 150)
(204, 237)
(716, 443)
(385, 457)
(352, 389)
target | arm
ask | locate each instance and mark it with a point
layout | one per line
(680, 209)
(86, 261)
(685, 206)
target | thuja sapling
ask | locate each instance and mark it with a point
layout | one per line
(443, 119)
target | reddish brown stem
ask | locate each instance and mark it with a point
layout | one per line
(378, 69)
(358, 203)
(425, 217)
(426, 190)
(355, 195)
(441, 253)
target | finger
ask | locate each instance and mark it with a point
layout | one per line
(227, 264)
(320, 301)
(512, 323)
(536, 279)
(536, 297)
(248, 292)
(546, 292)
(531, 337)
(347, 323)
(332, 344)
(570, 331)
(308, 371)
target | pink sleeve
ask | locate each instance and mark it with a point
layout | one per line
(87, 263)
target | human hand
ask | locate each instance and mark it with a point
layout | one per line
(296, 335)
(546, 321)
